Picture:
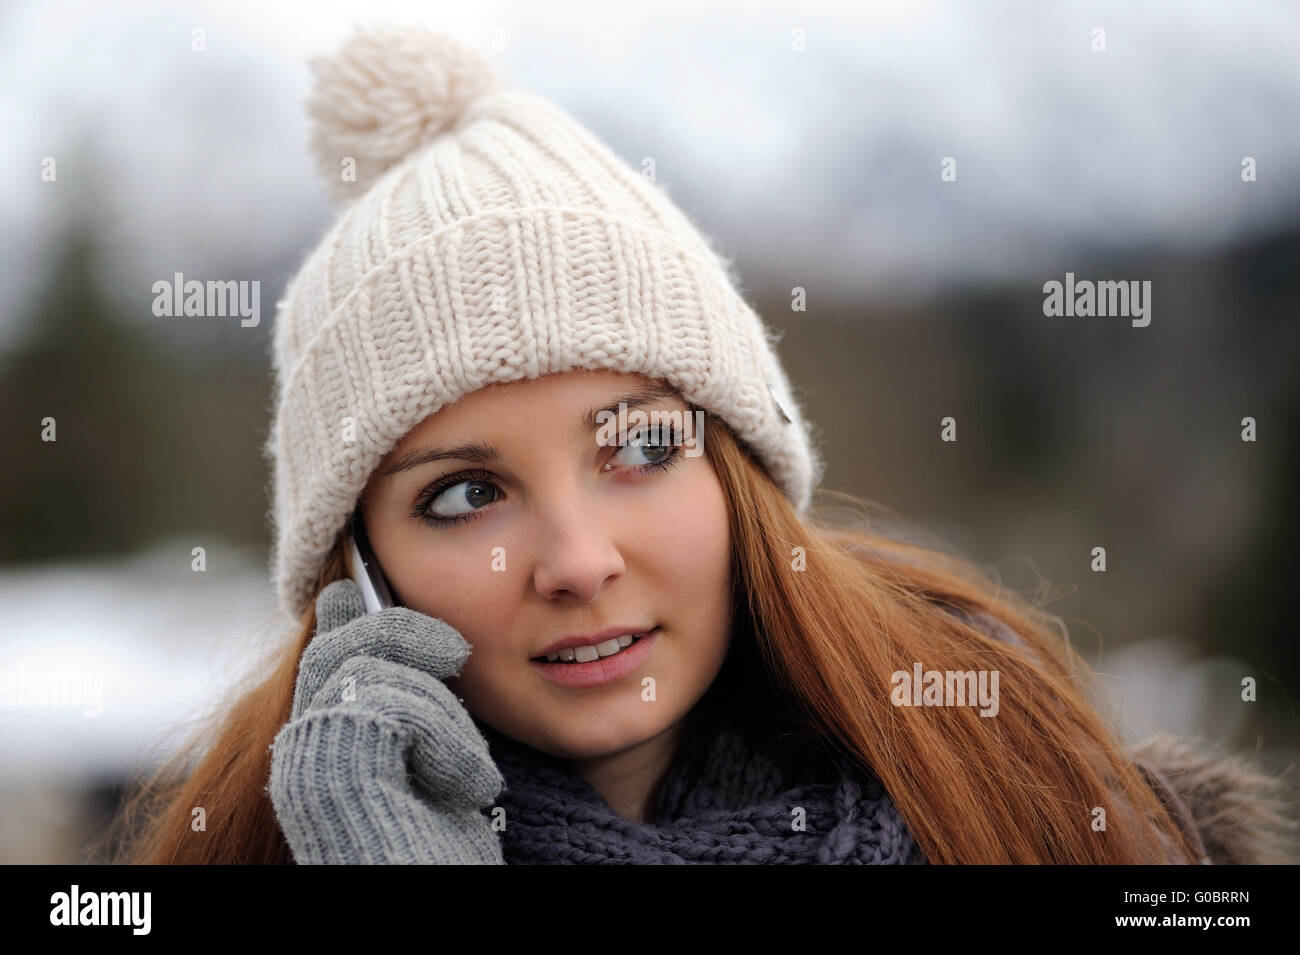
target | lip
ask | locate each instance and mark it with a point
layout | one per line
(591, 639)
(601, 671)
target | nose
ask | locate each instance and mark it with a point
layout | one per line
(577, 554)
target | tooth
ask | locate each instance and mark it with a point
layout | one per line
(588, 653)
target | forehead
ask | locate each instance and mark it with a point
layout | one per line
(572, 392)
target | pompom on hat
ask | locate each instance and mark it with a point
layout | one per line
(484, 236)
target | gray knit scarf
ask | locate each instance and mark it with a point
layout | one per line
(725, 800)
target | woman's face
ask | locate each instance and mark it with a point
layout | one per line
(568, 526)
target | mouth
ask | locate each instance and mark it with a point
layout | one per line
(599, 651)
(578, 673)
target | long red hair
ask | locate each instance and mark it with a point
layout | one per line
(826, 614)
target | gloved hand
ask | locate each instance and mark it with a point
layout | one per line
(380, 762)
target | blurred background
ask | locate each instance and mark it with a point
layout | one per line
(810, 141)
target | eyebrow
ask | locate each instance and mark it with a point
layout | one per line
(479, 452)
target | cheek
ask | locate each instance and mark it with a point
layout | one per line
(696, 550)
(459, 586)
(687, 557)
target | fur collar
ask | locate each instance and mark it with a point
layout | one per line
(1234, 812)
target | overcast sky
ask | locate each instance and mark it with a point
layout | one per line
(818, 167)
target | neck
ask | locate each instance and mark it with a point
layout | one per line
(629, 780)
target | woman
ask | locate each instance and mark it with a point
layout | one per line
(616, 638)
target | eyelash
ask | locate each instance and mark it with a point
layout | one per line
(430, 494)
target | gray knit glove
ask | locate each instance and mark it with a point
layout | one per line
(379, 762)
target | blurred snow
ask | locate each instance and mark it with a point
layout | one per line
(1158, 685)
(162, 641)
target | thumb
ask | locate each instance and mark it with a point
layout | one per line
(339, 603)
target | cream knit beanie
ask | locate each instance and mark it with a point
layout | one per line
(485, 236)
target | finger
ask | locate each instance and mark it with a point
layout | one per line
(446, 754)
(398, 634)
(338, 604)
(456, 766)
(352, 680)
(447, 751)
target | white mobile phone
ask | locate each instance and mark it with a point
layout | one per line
(368, 575)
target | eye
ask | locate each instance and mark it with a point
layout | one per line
(659, 452)
(459, 497)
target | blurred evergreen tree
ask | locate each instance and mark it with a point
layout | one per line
(149, 441)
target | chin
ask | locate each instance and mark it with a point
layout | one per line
(602, 741)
